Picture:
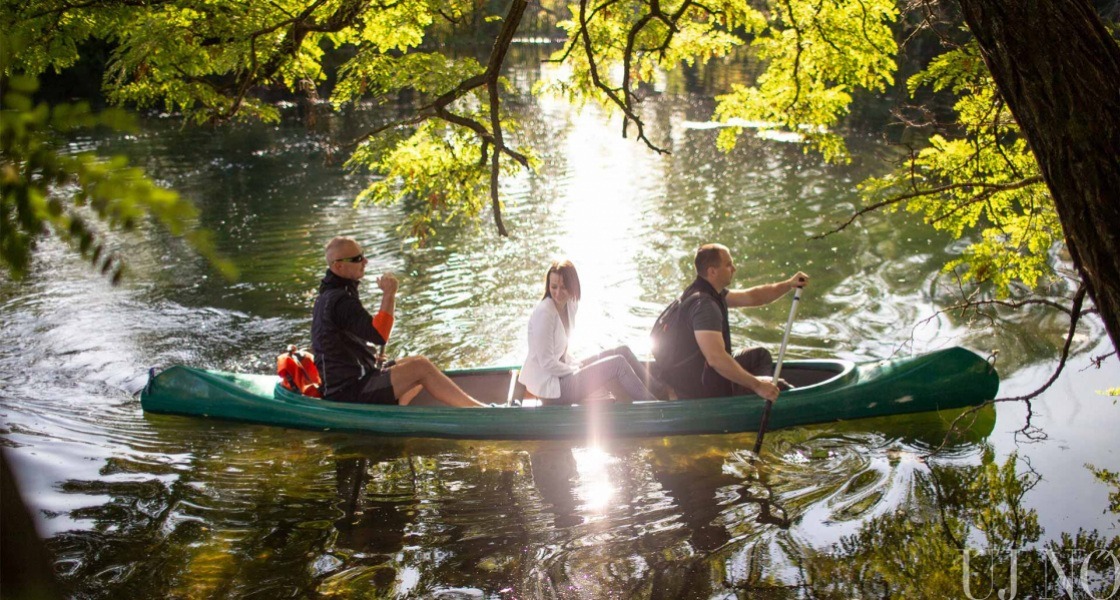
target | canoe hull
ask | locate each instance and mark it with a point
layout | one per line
(946, 379)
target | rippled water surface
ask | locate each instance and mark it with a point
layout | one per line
(148, 506)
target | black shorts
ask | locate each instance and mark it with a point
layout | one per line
(374, 388)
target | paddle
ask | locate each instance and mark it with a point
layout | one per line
(778, 369)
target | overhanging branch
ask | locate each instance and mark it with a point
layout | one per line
(987, 189)
(624, 103)
(1075, 312)
(490, 80)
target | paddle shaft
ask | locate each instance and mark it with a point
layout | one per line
(777, 370)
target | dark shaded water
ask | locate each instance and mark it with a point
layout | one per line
(147, 506)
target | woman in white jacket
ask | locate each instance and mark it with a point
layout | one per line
(549, 372)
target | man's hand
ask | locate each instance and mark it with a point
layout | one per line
(388, 283)
(799, 280)
(766, 389)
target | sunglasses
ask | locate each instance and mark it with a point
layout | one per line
(353, 259)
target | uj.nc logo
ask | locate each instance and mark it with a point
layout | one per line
(1082, 580)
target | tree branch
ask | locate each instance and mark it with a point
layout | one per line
(597, 80)
(1097, 361)
(490, 79)
(986, 194)
(493, 68)
(796, 59)
(1075, 313)
(866, 37)
(988, 190)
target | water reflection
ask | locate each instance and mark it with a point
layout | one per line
(261, 510)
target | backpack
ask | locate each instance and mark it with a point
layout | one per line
(670, 339)
(298, 372)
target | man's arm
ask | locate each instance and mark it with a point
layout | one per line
(766, 293)
(383, 320)
(711, 346)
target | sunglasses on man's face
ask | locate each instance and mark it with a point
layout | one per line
(353, 259)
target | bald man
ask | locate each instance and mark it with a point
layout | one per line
(341, 328)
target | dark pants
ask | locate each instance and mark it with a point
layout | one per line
(756, 361)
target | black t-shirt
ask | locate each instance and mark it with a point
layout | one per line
(704, 314)
(701, 311)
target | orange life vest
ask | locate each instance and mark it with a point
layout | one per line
(298, 373)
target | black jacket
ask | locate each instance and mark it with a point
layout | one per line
(340, 328)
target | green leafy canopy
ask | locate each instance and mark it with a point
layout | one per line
(983, 182)
(209, 59)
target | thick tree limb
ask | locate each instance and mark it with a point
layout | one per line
(490, 79)
(796, 58)
(493, 68)
(1056, 66)
(612, 93)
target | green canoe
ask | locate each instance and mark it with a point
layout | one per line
(825, 391)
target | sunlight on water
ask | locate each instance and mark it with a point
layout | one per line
(601, 209)
(595, 488)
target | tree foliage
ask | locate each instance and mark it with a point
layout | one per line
(919, 551)
(983, 182)
(45, 188)
(818, 55)
(973, 176)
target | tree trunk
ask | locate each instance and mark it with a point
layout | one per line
(1059, 72)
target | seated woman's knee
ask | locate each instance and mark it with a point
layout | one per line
(423, 362)
(625, 352)
(617, 365)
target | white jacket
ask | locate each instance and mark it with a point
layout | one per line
(548, 358)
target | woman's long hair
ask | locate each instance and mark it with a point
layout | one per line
(567, 272)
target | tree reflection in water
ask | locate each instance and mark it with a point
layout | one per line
(839, 511)
(919, 550)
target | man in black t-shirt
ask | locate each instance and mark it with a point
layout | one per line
(342, 331)
(708, 368)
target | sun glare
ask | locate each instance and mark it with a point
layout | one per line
(595, 489)
(603, 200)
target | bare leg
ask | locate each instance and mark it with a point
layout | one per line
(415, 371)
(407, 397)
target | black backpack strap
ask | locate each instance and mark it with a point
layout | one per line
(684, 304)
(303, 369)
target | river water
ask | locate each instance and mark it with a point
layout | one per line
(149, 506)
